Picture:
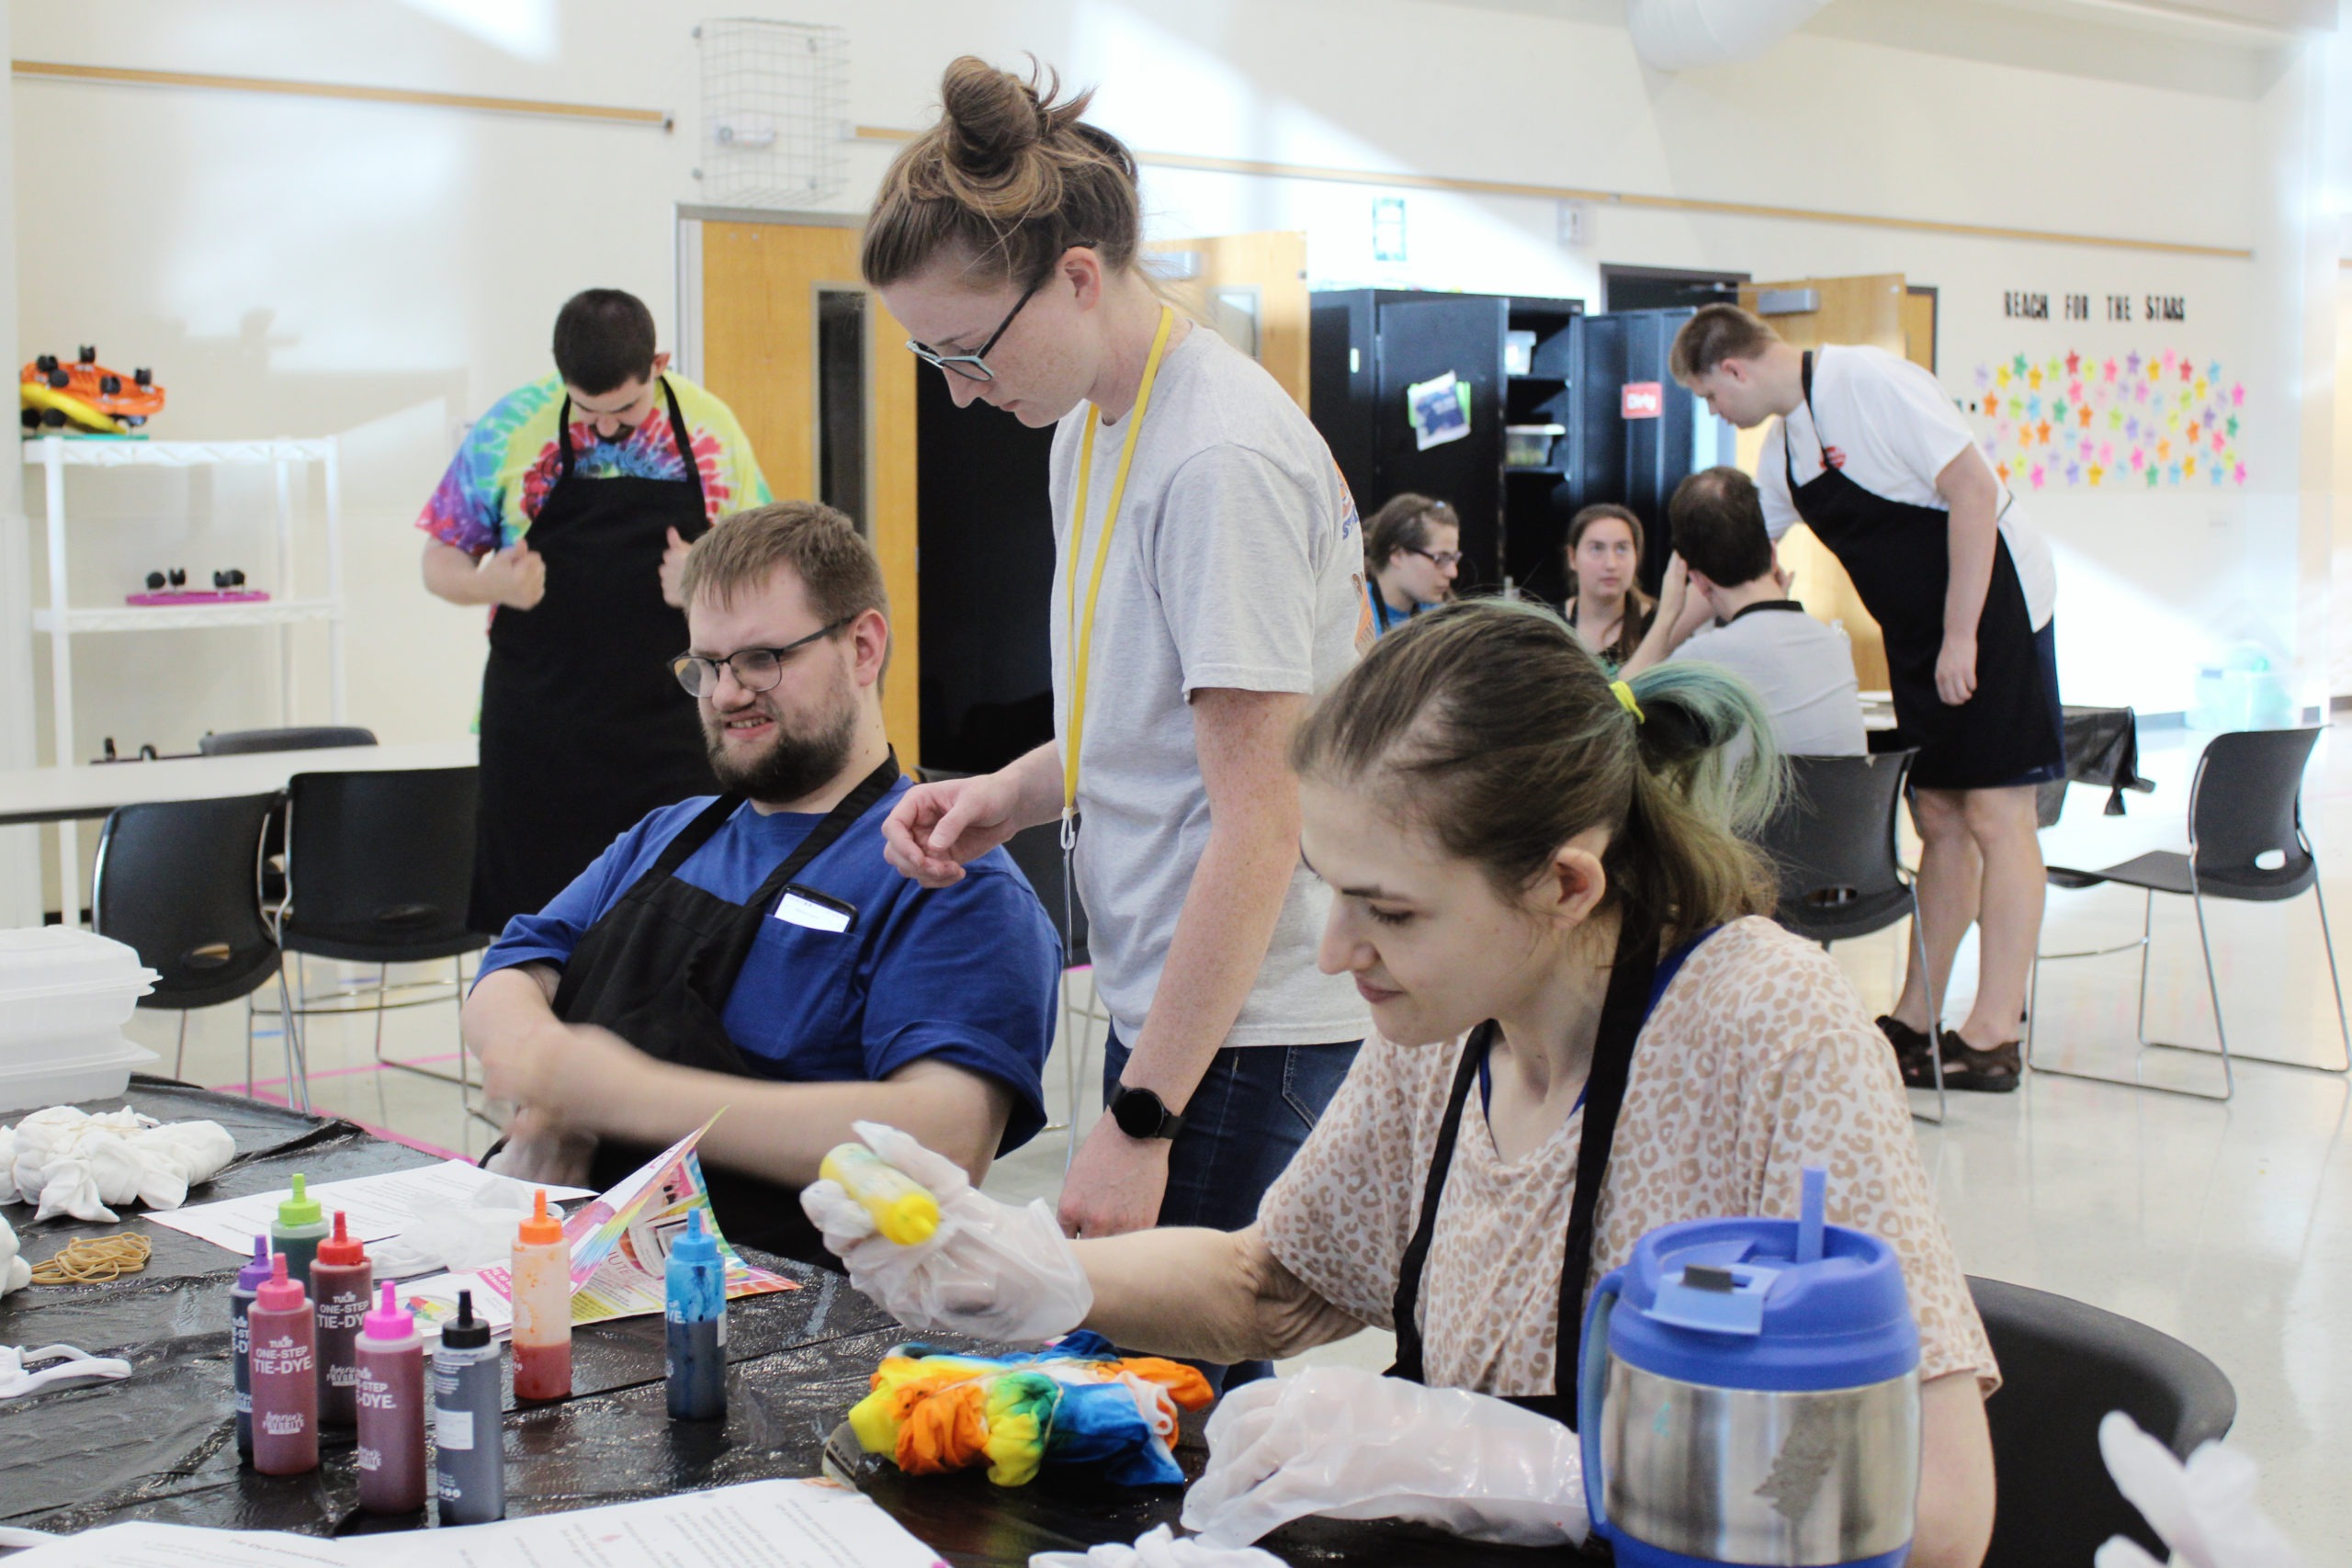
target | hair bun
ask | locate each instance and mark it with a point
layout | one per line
(993, 117)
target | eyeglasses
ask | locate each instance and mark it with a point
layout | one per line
(974, 366)
(1438, 559)
(755, 669)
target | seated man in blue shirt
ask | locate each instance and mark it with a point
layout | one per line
(753, 953)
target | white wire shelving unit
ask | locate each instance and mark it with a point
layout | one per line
(63, 621)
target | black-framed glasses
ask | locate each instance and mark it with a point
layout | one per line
(1438, 559)
(974, 366)
(755, 669)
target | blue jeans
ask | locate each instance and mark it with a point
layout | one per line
(1253, 1108)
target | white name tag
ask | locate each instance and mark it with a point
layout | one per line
(795, 908)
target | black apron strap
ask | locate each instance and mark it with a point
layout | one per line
(850, 807)
(1622, 1012)
(677, 438)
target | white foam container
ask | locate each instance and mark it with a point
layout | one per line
(91, 1068)
(60, 984)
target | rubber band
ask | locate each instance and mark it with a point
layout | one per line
(94, 1260)
(1625, 700)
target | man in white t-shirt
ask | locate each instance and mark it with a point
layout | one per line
(1868, 452)
(1724, 602)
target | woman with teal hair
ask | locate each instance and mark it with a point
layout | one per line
(1584, 1028)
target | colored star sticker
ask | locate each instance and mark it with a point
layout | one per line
(2097, 474)
(2033, 376)
(2131, 433)
(2003, 471)
(2001, 376)
(2108, 370)
(2115, 419)
(1983, 375)
(2018, 364)
(2075, 390)
(2154, 474)
(2033, 408)
(2085, 421)
(2217, 443)
(2185, 371)
(2073, 362)
(2238, 474)
(2042, 433)
(2216, 473)
(2058, 409)
(2237, 395)
(2132, 363)
(2213, 371)
(2232, 426)
(2200, 386)
(2188, 467)
(2169, 356)
(2037, 476)
(2172, 475)
(2107, 451)
(2073, 473)
(2139, 456)
(1991, 406)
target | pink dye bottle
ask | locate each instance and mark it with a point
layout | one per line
(285, 1375)
(391, 1360)
(340, 1277)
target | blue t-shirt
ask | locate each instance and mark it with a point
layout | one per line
(965, 975)
(1385, 617)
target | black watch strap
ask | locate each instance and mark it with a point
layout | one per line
(1141, 1113)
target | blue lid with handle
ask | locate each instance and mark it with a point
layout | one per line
(1783, 1305)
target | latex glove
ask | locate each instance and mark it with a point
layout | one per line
(1159, 1548)
(15, 1272)
(541, 1150)
(1348, 1444)
(2204, 1510)
(990, 1270)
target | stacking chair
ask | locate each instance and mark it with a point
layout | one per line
(305, 737)
(2064, 1364)
(1038, 853)
(2246, 843)
(379, 867)
(1832, 844)
(180, 883)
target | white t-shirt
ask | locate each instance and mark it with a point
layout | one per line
(1803, 669)
(1896, 431)
(1237, 562)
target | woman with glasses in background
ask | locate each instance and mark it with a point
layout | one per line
(1207, 569)
(1412, 552)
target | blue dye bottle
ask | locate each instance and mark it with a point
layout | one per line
(696, 1309)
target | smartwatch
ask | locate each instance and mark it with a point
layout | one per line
(1143, 1115)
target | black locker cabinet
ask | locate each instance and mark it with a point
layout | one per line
(1368, 346)
(1637, 462)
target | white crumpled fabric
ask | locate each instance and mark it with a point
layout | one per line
(1347, 1443)
(990, 1270)
(70, 1162)
(1159, 1548)
(15, 1272)
(2205, 1510)
(460, 1237)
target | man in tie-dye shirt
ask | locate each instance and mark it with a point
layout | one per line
(568, 510)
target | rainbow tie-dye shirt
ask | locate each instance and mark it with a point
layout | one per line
(509, 461)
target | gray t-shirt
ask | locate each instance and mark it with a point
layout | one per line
(1803, 670)
(1237, 562)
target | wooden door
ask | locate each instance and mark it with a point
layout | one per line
(817, 371)
(1251, 288)
(1877, 311)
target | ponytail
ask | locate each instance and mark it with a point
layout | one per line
(1490, 726)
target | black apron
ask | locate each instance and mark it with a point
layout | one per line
(1632, 993)
(1899, 558)
(657, 971)
(584, 728)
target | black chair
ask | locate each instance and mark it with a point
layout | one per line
(1832, 844)
(2244, 808)
(307, 738)
(1038, 853)
(379, 867)
(179, 882)
(2064, 1364)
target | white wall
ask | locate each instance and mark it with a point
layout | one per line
(382, 272)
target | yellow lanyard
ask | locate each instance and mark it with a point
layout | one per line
(1081, 642)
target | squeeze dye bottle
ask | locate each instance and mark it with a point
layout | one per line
(469, 1439)
(340, 1277)
(904, 1210)
(390, 1397)
(285, 1375)
(696, 1308)
(241, 1341)
(301, 1225)
(542, 1292)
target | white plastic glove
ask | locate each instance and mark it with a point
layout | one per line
(1349, 1444)
(990, 1270)
(1159, 1548)
(2204, 1510)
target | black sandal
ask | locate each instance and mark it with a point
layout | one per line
(1984, 1072)
(1914, 1053)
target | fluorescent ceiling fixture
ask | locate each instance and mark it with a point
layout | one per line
(526, 29)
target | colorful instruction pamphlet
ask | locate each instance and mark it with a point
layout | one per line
(620, 1249)
(758, 1524)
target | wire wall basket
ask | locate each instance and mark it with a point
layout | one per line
(774, 110)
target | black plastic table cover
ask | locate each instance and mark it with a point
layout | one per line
(160, 1445)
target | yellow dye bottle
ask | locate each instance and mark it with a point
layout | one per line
(904, 1210)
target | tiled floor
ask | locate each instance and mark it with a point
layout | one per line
(2229, 1226)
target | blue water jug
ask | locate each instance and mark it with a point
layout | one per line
(1749, 1392)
